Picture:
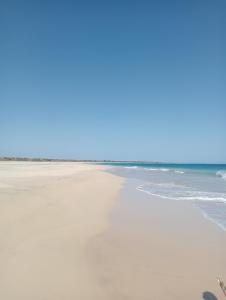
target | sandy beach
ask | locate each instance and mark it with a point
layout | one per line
(74, 231)
(113, 150)
(49, 213)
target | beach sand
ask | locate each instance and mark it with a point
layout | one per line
(48, 214)
(159, 249)
(67, 232)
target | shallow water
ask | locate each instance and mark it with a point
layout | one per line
(204, 185)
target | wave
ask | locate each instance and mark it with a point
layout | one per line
(212, 205)
(141, 189)
(213, 217)
(204, 198)
(164, 170)
(178, 192)
(221, 174)
(147, 169)
(157, 169)
(132, 167)
(153, 169)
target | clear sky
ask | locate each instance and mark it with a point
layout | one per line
(132, 80)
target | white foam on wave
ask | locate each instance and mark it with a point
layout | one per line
(154, 169)
(179, 192)
(214, 220)
(169, 185)
(147, 169)
(203, 198)
(221, 174)
(164, 170)
(158, 169)
(211, 205)
(179, 172)
(141, 189)
(132, 167)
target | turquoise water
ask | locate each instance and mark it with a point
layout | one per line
(203, 184)
(208, 168)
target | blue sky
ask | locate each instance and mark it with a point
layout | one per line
(133, 80)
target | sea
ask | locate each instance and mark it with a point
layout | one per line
(202, 184)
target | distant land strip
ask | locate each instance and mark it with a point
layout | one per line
(6, 158)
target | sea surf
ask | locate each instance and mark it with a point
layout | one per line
(202, 184)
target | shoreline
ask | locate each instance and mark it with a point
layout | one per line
(158, 249)
(77, 231)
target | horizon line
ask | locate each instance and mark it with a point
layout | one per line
(25, 158)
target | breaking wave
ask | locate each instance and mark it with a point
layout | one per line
(221, 174)
(132, 167)
(179, 192)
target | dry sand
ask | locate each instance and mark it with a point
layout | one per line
(48, 214)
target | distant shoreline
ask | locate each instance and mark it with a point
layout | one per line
(6, 158)
(35, 159)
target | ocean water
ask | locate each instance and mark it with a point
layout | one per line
(203, 184)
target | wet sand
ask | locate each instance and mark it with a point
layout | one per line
(159, 249)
